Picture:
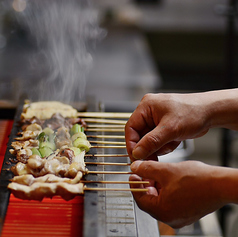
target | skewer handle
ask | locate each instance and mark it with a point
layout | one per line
(106, 155)
(109, 172)
(108, 142)
(104, 114)
(105, 121)
(117, 189)
(105, 163)
(114, 147)
(114, 182)
(104, 130)
(106, 136)
(113, 126)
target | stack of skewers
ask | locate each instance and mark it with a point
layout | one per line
(105, 131)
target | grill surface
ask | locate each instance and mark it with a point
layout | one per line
(95, 214)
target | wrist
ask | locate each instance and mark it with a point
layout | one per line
(225, 184)
(221, 108)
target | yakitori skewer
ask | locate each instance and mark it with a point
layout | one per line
(105, 121)
(117, 189)
(107, 147)
(104, 114)
(106, 136)
(106, 155)
(114, 182)
(108, 142)
(106, 163)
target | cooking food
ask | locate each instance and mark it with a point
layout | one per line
(45, 109)
(49, 152)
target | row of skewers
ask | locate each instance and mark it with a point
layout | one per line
(109, 123)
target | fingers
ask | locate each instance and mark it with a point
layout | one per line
(143, 151)
(151, 170)
(148, 144)
(157, 141)
(150, 186)
(146, 201)
(140, 123)
(154, 142)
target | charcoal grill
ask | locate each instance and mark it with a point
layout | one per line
(96, 214)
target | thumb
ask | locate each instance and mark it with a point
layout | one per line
(148, 169)
(151, 142)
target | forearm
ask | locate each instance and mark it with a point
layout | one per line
(221, 108)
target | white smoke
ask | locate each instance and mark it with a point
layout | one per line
(65, 32)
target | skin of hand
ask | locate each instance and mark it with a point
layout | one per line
(181, 193)
(162, 121)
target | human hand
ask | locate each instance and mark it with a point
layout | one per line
(161, 122)
(179, 193)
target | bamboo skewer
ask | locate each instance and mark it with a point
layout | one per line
(109, 127)
(109, 172)
(106, 136)
(108, 121)
(103, 114)
(104, 130)
(105, 126)
(114, 182)
(117, 189)
(108, 142)
(106, 155)
(106, 163)
(114, 147)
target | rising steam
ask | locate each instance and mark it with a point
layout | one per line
(65, 32)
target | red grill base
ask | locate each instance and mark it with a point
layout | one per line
(50, 217)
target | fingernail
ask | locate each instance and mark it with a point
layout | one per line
(138, 153)
(136, 164)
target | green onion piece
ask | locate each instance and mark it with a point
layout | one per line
(77, 135)
(35, 151)
(42, 137)
(82, 144)
(45, 151)
(52, 138)
(48, 144)
(75, 129)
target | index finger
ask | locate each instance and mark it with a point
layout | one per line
(137, 126)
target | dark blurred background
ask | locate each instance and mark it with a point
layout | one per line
(141, 46)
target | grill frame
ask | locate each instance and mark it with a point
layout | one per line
(6, 174)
